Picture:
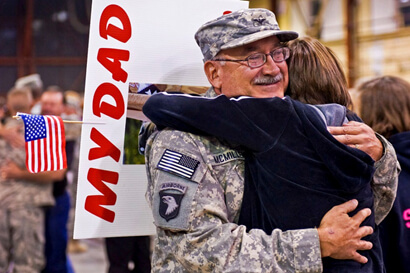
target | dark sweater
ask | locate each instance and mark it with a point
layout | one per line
(395, 228)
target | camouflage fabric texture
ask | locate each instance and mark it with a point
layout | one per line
(22, 239)
(21, 214)
(385, 180)
(17, 193)
(195, 215)
(239, 28)
(201, 236)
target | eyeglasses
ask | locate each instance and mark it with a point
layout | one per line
(258, 59)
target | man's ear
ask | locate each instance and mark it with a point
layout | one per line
(213, 73)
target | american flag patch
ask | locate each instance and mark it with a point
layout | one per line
(178, 164)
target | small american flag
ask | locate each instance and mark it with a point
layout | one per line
(178, 164)
(45, 143)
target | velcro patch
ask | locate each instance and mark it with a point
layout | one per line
(227, 156)
(178, 164)
(171, 195)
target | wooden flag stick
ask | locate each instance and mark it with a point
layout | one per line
(71, 121)
(74, 121)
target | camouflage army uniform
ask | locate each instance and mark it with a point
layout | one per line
(196, 184)
(197, 203)
(21, 215)
(200, 235)
(385, 179)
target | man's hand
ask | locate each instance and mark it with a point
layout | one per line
(340, 235)
(358, 135)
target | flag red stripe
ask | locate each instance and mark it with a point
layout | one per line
(38, 156)
(62, 152)
(28, 156)
(48, 148)
(52, 147)
(58, 143)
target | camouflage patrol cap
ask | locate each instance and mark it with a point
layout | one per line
(239, 28)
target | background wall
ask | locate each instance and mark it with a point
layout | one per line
(50, 37)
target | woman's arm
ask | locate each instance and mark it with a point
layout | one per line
(220, 117)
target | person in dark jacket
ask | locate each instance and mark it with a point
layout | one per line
(280, 135)
(53, 103)
(195, 200)
(385, 106)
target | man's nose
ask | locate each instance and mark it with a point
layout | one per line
(270, 67)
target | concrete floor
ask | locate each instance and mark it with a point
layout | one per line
(94, 260)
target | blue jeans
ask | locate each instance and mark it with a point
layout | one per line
(56, 236)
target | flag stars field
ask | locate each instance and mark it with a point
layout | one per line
(36, 128)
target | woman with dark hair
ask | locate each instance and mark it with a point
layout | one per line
(316, 75)
(295, 169)
(385, 106)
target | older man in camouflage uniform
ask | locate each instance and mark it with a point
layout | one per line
(196, 183)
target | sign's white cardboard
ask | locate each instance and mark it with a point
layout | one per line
(153, 42)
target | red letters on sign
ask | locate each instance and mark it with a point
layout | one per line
(104, 57)
(106, 148)
(112, 111)
(122, 35)
(110, 58)
(108, 198)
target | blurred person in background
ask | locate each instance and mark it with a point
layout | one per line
(73, 111)
(23, 197)
(53, 103)
(35, 84)
(56, 218)
(128, 254)
(385, 106)
(3, 110)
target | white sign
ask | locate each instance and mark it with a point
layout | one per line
(148, 41)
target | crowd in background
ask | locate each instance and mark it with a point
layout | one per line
(37, 210)
(35, 207)
(384, 104)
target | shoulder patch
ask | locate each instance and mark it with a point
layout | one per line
(173, 201)
(178, 164)
(171, 195)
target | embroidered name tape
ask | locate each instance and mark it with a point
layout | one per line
(227, 156)
(178, 164)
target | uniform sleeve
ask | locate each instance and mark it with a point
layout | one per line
(198, 235)
(385, 180)
(220, 117)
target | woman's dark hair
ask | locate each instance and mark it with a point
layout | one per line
(315, 74)
(385, 104)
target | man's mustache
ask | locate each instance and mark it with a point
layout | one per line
(267, 79)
